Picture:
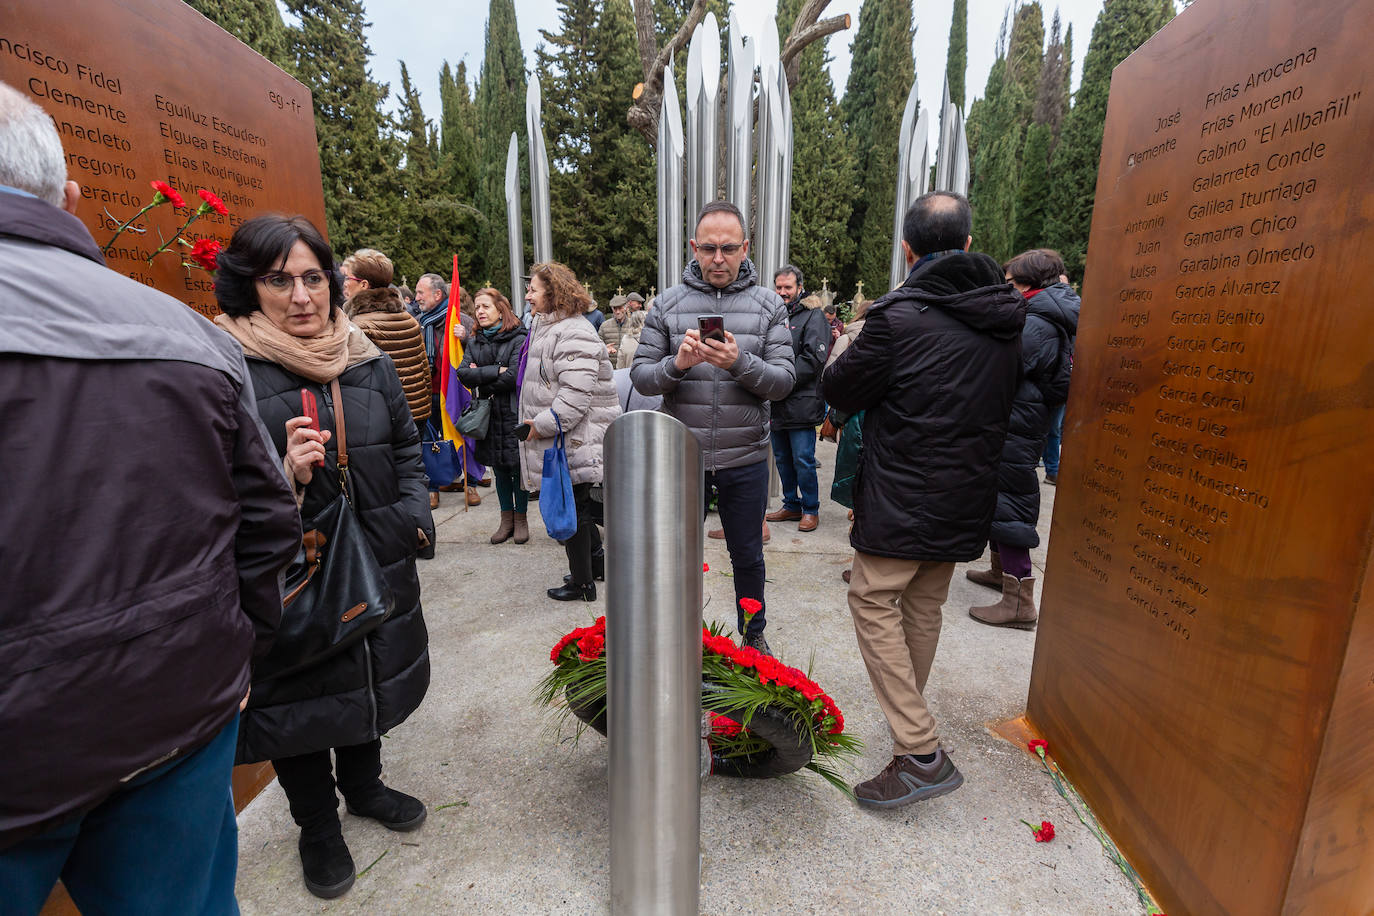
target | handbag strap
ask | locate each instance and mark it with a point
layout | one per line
(558, 437)
(337, 397)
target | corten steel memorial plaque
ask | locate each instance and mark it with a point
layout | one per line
(1205, 662)
(150, 89)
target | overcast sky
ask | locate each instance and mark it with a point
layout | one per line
(425, 33)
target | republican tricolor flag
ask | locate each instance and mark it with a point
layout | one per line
(453, 396)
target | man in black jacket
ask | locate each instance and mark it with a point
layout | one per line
(142, 540)
(936, 370)
(796, 416)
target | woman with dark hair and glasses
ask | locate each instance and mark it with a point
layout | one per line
(281, 301)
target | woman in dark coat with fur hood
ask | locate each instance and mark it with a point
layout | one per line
(491, 361)
(1046, 361)
(282, 303)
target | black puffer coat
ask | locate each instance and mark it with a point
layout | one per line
(500, 448)
(1046, 346)
(810, 329)
(936, 369)
(363, 692)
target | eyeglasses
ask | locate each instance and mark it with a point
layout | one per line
(348, 279)
(314, 280)
(728, 249)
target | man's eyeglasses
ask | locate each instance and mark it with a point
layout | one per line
(314, 280)
(727, 249)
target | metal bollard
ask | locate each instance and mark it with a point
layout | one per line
(654, 475)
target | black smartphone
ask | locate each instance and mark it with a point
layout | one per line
(712, 327)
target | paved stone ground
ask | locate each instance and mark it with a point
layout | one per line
(518, 812)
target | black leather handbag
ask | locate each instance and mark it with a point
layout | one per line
(335, 591)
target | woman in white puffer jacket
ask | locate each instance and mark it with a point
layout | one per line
(566, 378)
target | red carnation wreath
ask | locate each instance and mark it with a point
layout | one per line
(767, 718)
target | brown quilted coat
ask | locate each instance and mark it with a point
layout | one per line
(383, 318)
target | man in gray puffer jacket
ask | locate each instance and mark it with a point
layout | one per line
(720, 389)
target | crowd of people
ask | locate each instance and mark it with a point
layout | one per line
(315, 393)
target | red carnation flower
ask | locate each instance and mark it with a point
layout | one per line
(167, 192)
(213, 202)
(205, 252)
(705, 567)
(724, 725)
(590, 647)
(1039, 746)
(750, 606)
(1044, 833)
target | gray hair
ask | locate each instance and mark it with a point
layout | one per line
(435, 281)
(30, 152)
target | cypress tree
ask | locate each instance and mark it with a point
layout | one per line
(603, 188)
(359, 160)
(880, 78)
(956, 60)
(857, 107)
(500, 111)
(256, 23)
(425, 227)
(1002, 135)
(823, 174)
(1040, 138)
(458, 164)
(1121, 27)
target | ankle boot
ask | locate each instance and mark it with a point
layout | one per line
(522, 528)
(1016, 609)
(473, 497)
(327, 865)
(992, 578)
(506, 528)
(393, 810)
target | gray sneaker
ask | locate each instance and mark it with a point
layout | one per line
(757, 642)
(906, 780)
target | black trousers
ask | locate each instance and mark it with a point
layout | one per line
(309, 782)
(586, 540)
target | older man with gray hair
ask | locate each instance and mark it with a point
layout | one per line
(142, 539)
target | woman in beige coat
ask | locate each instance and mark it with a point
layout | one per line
(567, 373)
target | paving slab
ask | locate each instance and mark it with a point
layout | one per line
(518, 808)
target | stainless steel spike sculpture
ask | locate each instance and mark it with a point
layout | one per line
(513, 232)
(785, 193)
(740, 124)
(541, 227)
(958, 180)
(772, 134)
(912, 165)
(671, 241)
(703, 110)
(944, 147)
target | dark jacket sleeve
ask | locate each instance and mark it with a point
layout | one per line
(269, 532)
(815, 344)
(857, 379)
(410, 470)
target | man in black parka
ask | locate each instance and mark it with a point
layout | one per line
(936, 369)
(795, 417)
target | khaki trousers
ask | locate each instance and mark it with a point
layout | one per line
(896, 609)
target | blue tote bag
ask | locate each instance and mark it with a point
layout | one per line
(555, 491)
(442, 464)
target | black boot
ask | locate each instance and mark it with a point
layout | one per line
(393, 810)
(573, 592)
(327, 865)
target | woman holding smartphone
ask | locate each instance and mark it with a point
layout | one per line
(568, 382)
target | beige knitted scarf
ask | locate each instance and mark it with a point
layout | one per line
(320, 359)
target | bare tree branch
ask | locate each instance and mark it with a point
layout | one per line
(798, 40)
(648, 96)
